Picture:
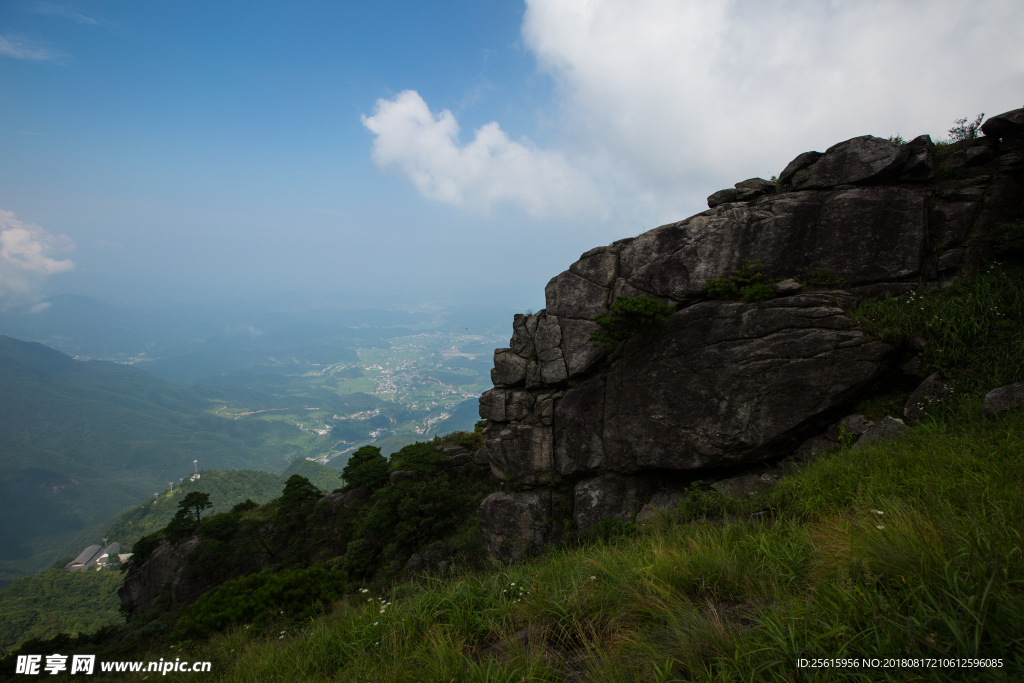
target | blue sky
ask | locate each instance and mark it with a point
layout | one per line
(462, 151)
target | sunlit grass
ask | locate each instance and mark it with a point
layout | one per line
(911, 548)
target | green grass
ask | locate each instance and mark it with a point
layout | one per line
(734, 601)
(975, 328)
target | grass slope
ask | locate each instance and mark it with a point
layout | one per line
(909, 549)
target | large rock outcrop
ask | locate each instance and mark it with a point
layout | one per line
(727, 383)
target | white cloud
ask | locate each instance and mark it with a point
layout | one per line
(683, 92)
(677, 98)
(25, 260)
(490, 170)
(20, 47)
(54, 9)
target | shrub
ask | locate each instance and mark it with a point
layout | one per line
(964, 132)
(746, 282)
(1008, 240)
(367, 469)
(261, 598)
(819, 279)
(630, 316)
(423, 458)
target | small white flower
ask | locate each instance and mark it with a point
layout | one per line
(513, 583)
(879, 512)
(382, 611)
(375, 623)
(879, 527)
(593, 578)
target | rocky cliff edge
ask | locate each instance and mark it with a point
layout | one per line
(576, 433)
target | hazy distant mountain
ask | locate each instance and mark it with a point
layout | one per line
(79, 441)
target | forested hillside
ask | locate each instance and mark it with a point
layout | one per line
(80, 441)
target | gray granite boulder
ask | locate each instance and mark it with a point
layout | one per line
(746, 485)
(504, 405)
(862, 235)
(515, 523)
(722, 197)
(521, 453)
(1003, 399)
(609, 495)
(662, 502)
(509, 368)
(888, 428)
(927, 395)
(729, 383)
(801, 162)
(861, 160)
(849, 429)
(1007, 125)
(787, 287)
(142, 588)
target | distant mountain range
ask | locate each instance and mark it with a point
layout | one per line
(80, 441)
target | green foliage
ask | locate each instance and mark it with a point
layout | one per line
(415, 513)
(897, 139)
(629, 317)
(360, 558)
(1008, 240)
(609, 529)
(299, 495)
(181, 526)
(746, 282)
(822, 278)
(701, 502)
(366, 469)
(963, 132)
(422, 458)
(56, 601)
(68, 428)
(911, 549)
(245, 505)
(194, 504)
(974, 328)
(141, 551)
(260, 599)
(779, 187)
(471, 441)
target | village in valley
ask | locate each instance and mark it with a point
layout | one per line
(395, 395)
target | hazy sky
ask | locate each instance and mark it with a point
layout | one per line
(413, 151)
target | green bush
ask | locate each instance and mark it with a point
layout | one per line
(367, 469)
(630, 316)
(746, 282)
(259, 599)
(822, 278)
(423, 458)
(1008, 240)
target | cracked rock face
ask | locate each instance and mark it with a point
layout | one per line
(729, 383)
